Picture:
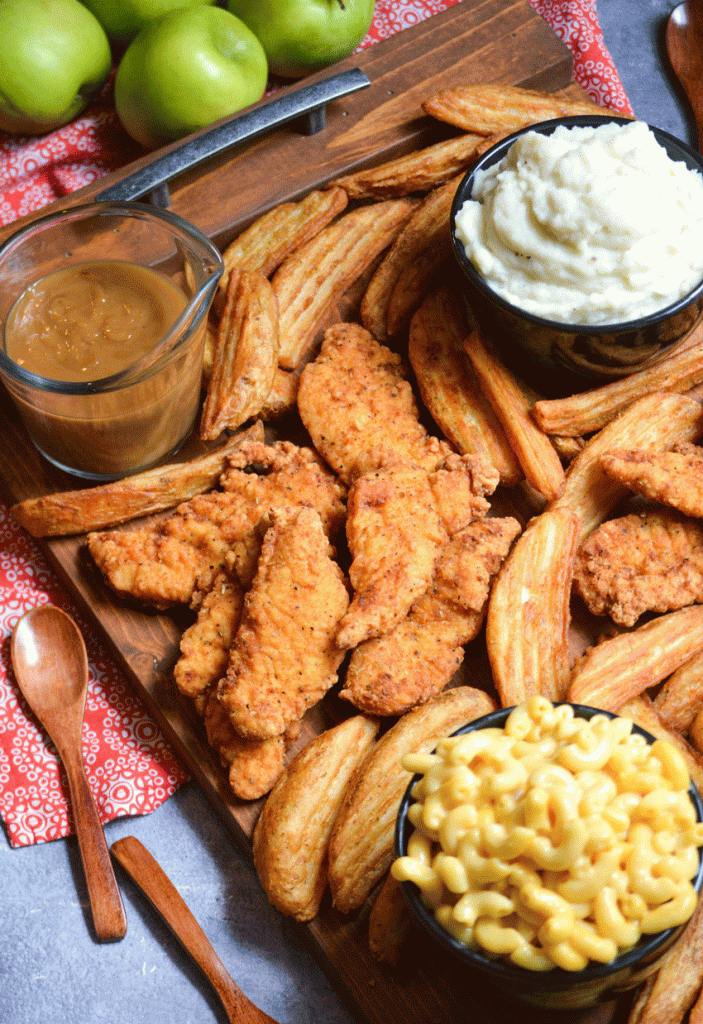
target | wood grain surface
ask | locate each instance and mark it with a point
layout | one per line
(498, 41)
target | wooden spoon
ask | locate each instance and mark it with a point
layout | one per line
(684, 45)
(51, 667)
(163, 895)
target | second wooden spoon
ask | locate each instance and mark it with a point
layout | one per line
(165, 898)
(51, 668)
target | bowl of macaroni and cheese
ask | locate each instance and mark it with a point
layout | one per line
(553, 848)
(577, 243)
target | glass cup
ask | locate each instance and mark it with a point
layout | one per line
(108, 428)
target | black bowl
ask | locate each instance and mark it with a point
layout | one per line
(571, 355)
(555, 989)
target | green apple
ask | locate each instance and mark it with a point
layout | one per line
(302, 36)
(122, 19)
(186, 70)
(54, 56)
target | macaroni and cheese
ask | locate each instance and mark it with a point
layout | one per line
(553, 841)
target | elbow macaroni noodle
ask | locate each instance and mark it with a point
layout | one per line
(553, 841)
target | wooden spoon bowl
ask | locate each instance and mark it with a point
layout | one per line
(684, 46)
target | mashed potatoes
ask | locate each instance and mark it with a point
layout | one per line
(587, 225)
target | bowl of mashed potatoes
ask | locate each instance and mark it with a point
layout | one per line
(577, 240)
(554, 849)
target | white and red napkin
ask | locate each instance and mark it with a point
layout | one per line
(131, 768)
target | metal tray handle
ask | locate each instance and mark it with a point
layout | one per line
(308, 102)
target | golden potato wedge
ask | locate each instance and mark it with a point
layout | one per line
(536, 454)
(614, 671)
(390, 922)
(587, 411)
(491, 109)
(245, 358)
(418, 171)
(428, 228)
(361, 843)
(680, 699)
(97, 508)
(292, 832)
(449, 388)
(528, 611)
(311, 281)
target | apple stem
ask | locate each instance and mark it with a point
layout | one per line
(341, 5)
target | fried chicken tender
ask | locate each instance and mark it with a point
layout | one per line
(459, 487)
(205, 645)
(253, 766)
(284, 658)
(641, 562)
(416, 660)
(359, 409)
(674, 477)
(395, 535)
(163, 564)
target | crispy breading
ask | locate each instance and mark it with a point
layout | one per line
(650, 561)
(253, 766)
(417, 659)
(395, 535)
(205, 645)
(674, 477)
(291, 836)
(284, 658)
(459, 487)
(162, 564)
(358, 407)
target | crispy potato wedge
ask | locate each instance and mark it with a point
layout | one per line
(420, 171)
(612, 672)
(361, 843)
(673, 478)
(680, 699)
(265, 244)
(390, 922)
(528, 612)
(415, 281)
(292, 832)
(695, 732)
(97, 508)
(587, 411)
(311, 281)
(493, 109)
(536, 454)
(654, 422)
(245, 357)
(428, 228)
(449, 388)
(675, 986)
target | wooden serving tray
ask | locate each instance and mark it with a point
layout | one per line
(498, 41)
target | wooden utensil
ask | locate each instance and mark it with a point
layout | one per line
(51, 668)
(165, 898)
(684, 46)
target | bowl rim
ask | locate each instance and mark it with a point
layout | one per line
(556, 979)
(496, 153)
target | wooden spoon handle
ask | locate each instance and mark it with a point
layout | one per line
(104, 895)
(158, 888)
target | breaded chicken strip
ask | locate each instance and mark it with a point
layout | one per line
(163, 564)
(459, 487)
(416, 660)
(253, 766)
(639, 563)
(205, 645)
(395, 535)
(284, 658)
(359, 409)
(673, 478)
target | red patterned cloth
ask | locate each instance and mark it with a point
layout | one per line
(130, 766)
